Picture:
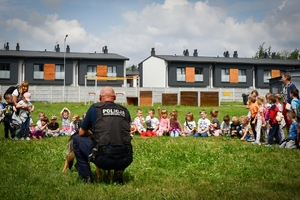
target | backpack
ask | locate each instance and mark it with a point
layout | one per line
(267, 113)
(10, 90)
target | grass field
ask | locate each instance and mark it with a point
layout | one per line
(163, 168)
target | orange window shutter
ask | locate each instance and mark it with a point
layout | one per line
(49, 72)
(102, 70)
(275, 73)
(190, 74)
(233, 75)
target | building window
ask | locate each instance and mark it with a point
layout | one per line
(242, 76)
(224, 75)
(180, 74)
(91, 70)
(112, 71)
(267, 76)
(38, 71)
(198, 74)
(4, 71)
(59, 72)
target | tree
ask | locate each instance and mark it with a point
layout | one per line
(132, 68)
(261, 51)
(294, 55)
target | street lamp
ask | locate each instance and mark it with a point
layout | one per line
(64, 67)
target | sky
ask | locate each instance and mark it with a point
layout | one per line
(131, 28)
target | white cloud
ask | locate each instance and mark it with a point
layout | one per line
(170, 27)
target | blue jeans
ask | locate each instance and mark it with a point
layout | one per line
(83, 147)
(205, 134)
(25, 128)
(273, 132)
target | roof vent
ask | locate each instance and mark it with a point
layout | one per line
(18, 47)
(265, 55)
(226, 54)
(57, 49)
(68, 49)
(153, 52)
(186, 52)
(6, 46)
(274, 55)
(104, 49)
(235, 54)
(195, 54)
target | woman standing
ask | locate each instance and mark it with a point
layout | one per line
(286, 90)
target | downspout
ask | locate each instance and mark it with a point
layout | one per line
(76, 73)
(23, 71)
(253, 76)
(211, 75)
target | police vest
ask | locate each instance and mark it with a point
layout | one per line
(112, 126)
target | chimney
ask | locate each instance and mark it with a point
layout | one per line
(57, 49)
(6, 46)
(18, 47)
(274, 55)
(153, 52)
(195, 54)
(226, 54)
(68, 49)
(265, 55)
(235, 54)
(104, 49)
(186, 52)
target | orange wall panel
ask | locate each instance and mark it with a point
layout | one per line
(275, 73)
(49, 72)
(233, 75)
(102, 70)
(190, 74)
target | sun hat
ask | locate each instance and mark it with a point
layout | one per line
(27, 96)
(53, 117)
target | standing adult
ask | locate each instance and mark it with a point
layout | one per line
(286, 90)
(18, 93)
(109, 124)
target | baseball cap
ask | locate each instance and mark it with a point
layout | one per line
(27, 96)
(53, 117)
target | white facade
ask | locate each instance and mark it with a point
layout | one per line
(154, 72)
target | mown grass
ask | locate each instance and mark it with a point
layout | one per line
(163, 168)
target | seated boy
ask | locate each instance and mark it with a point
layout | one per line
(290, 141)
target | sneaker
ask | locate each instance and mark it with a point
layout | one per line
(22, 138)
(27, 138)
(268, 145)
(251, 139)
(15, 138)
(118, 176)
(256, 143)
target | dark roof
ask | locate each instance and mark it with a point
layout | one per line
(53, 54)
(250, 61)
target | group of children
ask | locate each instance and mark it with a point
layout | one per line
(263, 123)
(17, 120)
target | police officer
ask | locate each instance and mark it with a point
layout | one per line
(109, 125)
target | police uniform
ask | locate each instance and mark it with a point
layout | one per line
(110, 124)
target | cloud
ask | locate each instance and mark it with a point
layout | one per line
(170, 27)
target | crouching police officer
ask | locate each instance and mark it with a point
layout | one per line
(109, 124)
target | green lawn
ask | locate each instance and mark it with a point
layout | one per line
(163, 167)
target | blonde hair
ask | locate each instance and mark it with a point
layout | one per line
(279, 98)
(261, 99)
(235, 119)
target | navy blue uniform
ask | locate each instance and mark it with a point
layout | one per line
(110, 124)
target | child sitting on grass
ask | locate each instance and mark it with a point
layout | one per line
(65, 121)
(175, 127)
(235, 127)
(189, 126)
(139, 121)
(244, 131)
(203, 125)
(53, 127)
(40, 131)
(163, 122)
(290, 141)
(152, 124)
(225, 126)
(214, 127)
(74, 125)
